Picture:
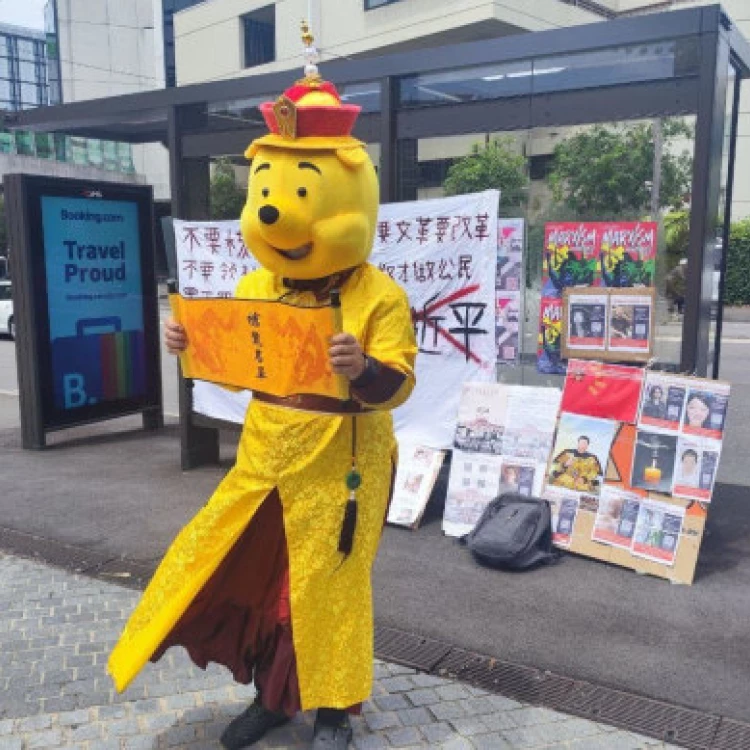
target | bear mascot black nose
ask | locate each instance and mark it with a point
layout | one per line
(268, 214)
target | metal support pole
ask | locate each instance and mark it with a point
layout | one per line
(728, 197)
(190, 180)
(709, 138)
(388, 135)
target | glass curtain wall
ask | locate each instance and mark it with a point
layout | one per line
(554, 165)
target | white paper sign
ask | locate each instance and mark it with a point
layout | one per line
(444, 253)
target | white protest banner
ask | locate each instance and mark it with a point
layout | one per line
(444, 253)
(211, 259)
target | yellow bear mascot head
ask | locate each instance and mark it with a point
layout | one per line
(312, 198)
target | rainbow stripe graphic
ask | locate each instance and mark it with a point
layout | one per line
(122, 364)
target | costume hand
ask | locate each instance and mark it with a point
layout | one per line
(346, 355)
(175, 337)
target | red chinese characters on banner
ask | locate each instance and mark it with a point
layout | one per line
(603, 390)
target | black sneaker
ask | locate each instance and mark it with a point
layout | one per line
(250, 726)
(332, 733)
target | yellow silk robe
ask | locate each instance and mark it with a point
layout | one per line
(306, 456)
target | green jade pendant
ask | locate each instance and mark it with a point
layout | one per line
(353, 480)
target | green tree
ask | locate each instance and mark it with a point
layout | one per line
(496, 165)
(737, 281)
(606, 171)
(227, 198)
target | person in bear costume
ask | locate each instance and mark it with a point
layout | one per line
(272, 578)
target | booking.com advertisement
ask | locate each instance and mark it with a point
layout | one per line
(93, 261)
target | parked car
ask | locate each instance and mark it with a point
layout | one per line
(7, 323)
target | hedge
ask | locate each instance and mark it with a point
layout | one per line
(737, 282)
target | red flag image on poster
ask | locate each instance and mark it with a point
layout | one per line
(602, 390)
(627, 253)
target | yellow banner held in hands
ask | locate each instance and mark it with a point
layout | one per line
(261, 345)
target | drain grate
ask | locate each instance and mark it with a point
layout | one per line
(732, 735)
(521, 683)
(409, 649)
(673, 724)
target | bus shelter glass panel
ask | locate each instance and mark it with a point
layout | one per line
(635, 63)
(597, 180)
(609, 210)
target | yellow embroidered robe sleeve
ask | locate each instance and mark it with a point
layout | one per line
(305, 456)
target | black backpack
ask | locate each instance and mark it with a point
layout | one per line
(514, 532)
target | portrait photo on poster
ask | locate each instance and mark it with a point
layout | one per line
(663, 401)
(586, 322)
(654, 461)
(581, 452)
(518, 475)
(616, 517)
(706, 409)
(657, 531)
(564, 505)
(696, 464)
(630, 322)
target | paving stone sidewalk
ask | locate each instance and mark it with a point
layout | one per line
(56, 631)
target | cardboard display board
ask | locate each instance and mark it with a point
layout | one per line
(634, 464)
(610, 325)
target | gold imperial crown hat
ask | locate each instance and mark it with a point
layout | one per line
(311, 108)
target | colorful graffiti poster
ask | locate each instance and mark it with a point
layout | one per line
(627, 253)
(549, 352)
(570, 259)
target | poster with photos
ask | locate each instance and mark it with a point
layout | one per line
(564, 506)
(706, 406)
(696, 465)
(474, 481)
(663, 401)
(586, 321)
(510, 243)
(418, 470)
(616, 517)
(481, 418)
(520, 476)
(531, 417)
(630, 322)
(653, 461)
(581, 452)
(658, 531)
(508, 327)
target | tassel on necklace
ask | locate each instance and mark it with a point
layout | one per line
(353, 481)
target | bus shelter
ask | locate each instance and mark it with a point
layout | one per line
(675, 75)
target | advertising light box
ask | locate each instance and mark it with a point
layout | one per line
(88, 312)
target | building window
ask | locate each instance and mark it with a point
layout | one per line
(372, 4)
(259, 29)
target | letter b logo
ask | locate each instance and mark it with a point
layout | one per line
(74, 392)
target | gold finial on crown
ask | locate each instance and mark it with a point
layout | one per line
(311, 55)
